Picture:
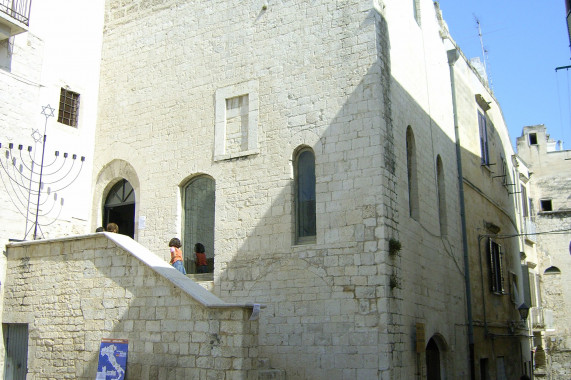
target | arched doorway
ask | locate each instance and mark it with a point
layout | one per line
(198, 227)
(120, 208)
(432, 360)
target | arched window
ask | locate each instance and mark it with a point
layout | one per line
(435, 357)
(304, 166)
(441, 188)
(198, 226)
(432, 360)
(120, 208)
(552, 270)
(411, 166)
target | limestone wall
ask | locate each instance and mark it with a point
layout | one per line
(344, 79)
(491, 185)
(74, 292)
(550, 182)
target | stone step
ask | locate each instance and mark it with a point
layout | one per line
(206, 280)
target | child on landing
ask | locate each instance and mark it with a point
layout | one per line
(201, 264)
(176, 255)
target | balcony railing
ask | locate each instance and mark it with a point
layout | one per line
(17, 9)
(530, 230)
(541, 318)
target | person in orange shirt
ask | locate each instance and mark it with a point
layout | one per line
(201, 264)
(176, 255)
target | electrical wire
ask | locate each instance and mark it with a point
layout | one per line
(508, 236)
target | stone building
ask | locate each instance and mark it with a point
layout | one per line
(550, 208)
(310, 147)
(49, 52)
(43, 63)
(315, 149)
(108, 286)
(491, 178)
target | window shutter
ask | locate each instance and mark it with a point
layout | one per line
(492, 265)
(501, 270)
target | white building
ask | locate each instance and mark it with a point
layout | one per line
(54, 62)
(49, 55)
(319, 132)
(311, 147)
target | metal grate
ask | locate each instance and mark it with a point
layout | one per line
(68, 108)
(17, 9)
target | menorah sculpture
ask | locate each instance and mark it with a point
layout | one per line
(33, 185)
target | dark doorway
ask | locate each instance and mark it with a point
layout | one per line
(120, 208)
(432, 361)
(16, 343)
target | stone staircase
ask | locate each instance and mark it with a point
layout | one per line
(265, 372)
(206, 280)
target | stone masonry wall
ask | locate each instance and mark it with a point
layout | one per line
(551, 181)
(74, 292)
(344, 79)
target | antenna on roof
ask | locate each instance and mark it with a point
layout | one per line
(484, 51)
(481, 41)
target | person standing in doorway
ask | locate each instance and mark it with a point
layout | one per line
(112, 227)
(176, 255)
(201, 264)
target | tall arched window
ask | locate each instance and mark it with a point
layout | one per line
(411, 166)
(432, 361)
(441, 188)
(304, 166)
(199, 203)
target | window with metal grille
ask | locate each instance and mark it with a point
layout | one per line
(495, 255)
(68, 108)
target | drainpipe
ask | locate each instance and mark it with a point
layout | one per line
(453, 56)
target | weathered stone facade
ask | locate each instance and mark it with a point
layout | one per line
(490, 186)
(73, 292)
(232, 93)
(345, 80)
(551, 212)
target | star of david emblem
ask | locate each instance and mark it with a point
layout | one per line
(36, 135)
(48, 111)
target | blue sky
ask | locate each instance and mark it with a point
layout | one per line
(525, 41)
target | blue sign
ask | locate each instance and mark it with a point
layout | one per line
(112, 359)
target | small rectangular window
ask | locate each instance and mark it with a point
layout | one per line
(68, 108)
(532, 139)
(546, 205)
